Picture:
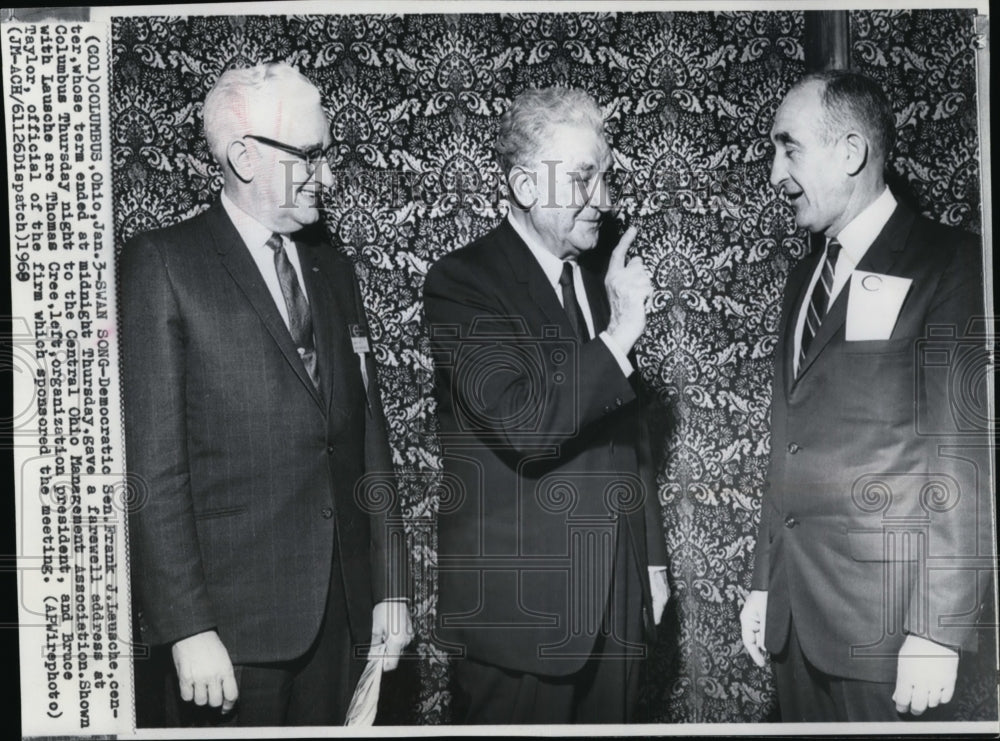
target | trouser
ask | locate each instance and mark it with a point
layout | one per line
(808, 695)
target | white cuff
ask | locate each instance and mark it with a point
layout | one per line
(622, 358)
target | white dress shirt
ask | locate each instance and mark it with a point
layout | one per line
(255, 236)
(855, 239)
(552, 266)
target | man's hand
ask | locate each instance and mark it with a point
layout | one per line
(204, 671)
(628, 288)
(925, 675)
(659, 589)
(391, 625)
(752, 619)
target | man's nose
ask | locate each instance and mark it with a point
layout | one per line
(323, 173)
(778, 172)
(601, 198)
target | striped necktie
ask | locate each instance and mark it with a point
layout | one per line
(819, 302)
(299, 317)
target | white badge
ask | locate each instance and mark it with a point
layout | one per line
(873, 305)
(359, 342)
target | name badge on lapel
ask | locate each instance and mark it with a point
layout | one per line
(873, 305)
(359, 342)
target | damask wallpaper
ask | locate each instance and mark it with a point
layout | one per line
(414, 103)
(926, 60)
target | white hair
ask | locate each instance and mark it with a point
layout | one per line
(243, 102)
(527, 124)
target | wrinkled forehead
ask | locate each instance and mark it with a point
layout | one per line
(799, 115)
(575, 146)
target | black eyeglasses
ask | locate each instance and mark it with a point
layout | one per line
(313, 157)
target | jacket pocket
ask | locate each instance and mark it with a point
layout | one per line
(211, 514)
(880, 347)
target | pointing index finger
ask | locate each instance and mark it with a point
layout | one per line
(618, 254)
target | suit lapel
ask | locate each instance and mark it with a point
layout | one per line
(527, 271)
(331, 314)
(798, 283)
(880, 258)
(236, 259)
(597, 298)
(885, 252)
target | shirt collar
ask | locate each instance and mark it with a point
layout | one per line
(254, 233)
(551, 265)
(858, 236)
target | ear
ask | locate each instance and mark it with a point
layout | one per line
(856, 154)
(240, 160)
(523, 186)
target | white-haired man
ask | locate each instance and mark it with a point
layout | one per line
(552, 553)
(251, 425)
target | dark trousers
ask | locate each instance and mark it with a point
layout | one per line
(807, 695)
(603, 691)
(312, 690)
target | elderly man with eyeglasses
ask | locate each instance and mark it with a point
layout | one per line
(252, 424)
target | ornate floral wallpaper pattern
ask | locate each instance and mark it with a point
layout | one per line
(414, 102)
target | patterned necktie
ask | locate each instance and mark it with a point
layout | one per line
(571, 305)
(299, 317)
(819, 302)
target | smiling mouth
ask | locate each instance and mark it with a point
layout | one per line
(309, 194)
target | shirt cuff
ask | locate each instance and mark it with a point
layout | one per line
(655, 569)
(621, 358)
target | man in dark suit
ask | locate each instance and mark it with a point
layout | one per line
(253, 427)
(547, 538)
(872, 555)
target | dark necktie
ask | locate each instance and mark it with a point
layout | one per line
(299, 318)
(570, 304)
(819, 302)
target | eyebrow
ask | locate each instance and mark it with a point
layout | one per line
(784, 137)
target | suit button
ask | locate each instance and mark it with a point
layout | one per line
(794, 448)
(790, 522)
(327, 513)
(329, 449)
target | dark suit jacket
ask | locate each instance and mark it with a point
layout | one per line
(540, 433)
(868, 525)
(243, 472)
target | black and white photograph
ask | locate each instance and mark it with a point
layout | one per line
(562, 368)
